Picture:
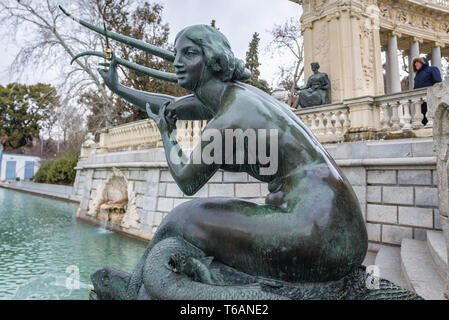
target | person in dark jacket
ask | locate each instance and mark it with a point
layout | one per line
(426, 76)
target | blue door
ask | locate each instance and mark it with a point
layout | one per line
(29, 170)
(10, 170)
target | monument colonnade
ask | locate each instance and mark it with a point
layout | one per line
(347, 38)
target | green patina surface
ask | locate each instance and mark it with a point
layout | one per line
(307, 241)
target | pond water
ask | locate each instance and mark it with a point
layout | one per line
(43, 248)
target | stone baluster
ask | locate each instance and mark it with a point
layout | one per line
(417, 114)
(321, 130)
(395, 116)
(345, 119)
(385, 119)
(406, 117)
(196, 132)
(329, 128)
(313, 126)
(337, 123)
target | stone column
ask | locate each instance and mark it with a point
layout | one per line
(414, 52)
(387, 74)
(308, 46)
(436, 56)
(393, 64)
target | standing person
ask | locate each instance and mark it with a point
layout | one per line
(425, 76)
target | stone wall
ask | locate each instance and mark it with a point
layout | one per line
(395, 182)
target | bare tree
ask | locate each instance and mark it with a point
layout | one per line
(287, 38)
(48, 40)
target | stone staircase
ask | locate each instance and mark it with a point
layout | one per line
(417, 265)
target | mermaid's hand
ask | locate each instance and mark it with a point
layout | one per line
(109, 75)
(166, 122)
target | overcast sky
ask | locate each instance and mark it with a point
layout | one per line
(237, 19)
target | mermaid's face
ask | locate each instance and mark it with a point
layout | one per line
(190, 64)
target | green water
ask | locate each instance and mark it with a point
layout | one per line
(43, 245)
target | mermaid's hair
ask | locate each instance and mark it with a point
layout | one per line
(217, 50)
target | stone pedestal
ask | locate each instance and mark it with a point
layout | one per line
(344, 40)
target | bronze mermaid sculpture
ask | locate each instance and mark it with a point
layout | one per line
(307, 241)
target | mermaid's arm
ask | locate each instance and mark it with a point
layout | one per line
(185, 108)
(189, 174)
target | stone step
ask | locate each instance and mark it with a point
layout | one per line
(369, 258)
(388, 260)
(437, 248)
(419, 270)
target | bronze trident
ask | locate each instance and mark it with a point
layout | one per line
(159, 52)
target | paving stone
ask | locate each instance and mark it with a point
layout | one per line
(381, 213)
(360, 192)
(153, 175)
(419, 177)
(173, 191)
(419, 234)
(369, 258)
(425, 196)
(388, 149)
(436, 219)
(397, 195)
(264, 189)
(147, 203)
(395, 234)
(419, 271)
(247, 190)
(355, 175)
(140, 187)
(162, 191)
(166, 176)
(373, 232)
(221, 190)
(374, 194)
(217, 177)
(434, 177)
(423, 149)
(381, 177)
(235, 177)
(165, 204)
(437, 248)
(388, 260)
(137, 175)
(151, 189)
(413, 216)
(180, 201)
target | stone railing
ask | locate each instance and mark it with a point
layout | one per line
(328, 123)
(365, 118)
(142, 134)
(402, 111)
(368, 117)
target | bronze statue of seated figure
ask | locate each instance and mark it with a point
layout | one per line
(315, 92)
(307, 241)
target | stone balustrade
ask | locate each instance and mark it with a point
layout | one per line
(389, 116)
(328, 123)
(142, 134)
(402, 111)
